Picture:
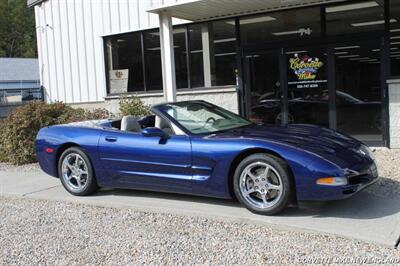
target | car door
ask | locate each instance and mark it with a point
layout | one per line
(136, 161)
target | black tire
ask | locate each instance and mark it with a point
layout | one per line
(90, 186)
(287, 186)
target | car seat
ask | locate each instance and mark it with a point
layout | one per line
(130, 123)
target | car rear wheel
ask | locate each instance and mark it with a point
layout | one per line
(262, 183)
(76, 172)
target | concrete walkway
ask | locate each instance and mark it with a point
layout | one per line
(365, 216)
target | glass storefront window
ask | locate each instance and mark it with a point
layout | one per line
(180, 58)
(224, 52)
(196, 56)
(358, 90)
(125, 69)
(264, 95)
(126, 58)
(355, 17)
(153, 60)
(296, 24)
(395, 38)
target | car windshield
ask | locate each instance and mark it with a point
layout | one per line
(200, 118)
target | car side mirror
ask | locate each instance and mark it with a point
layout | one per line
(154, 132)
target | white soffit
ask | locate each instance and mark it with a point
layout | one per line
(201, 10)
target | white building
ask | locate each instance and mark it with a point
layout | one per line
(328, 62)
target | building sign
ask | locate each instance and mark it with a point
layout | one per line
(119, 80)
(306, 31)
(305, 67)
(301, 32)
(306, 71)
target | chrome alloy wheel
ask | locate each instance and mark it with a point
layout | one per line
(75, 172)
(261, 185)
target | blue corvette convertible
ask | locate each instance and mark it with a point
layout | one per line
(194, 147)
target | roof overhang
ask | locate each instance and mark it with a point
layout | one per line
(201, 10)
(31, 3)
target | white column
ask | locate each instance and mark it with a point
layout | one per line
(208, 53)
(394, 113)
(167, 57)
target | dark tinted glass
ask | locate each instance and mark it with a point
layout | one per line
(308, 96)
(124, 57)
(153, 60)
(196, 56)
(355, 17)
(265, 94)
(395, 38)
(358, 90)
(224, 51)
(294, 24)
(180, 58)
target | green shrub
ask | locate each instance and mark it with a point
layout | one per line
(133, 106)
(19, 129)
(80, 114)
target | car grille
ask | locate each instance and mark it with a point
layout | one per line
(365, 176)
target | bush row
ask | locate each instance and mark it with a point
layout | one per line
(19, 129)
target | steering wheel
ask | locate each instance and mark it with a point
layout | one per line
(209, 120)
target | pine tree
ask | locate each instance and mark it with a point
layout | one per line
(17, 29)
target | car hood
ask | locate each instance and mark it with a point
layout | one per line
(329, 144)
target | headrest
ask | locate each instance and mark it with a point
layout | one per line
(130, 123)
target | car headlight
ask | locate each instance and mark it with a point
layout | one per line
(367, 152)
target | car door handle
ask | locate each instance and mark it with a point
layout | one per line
(111, 139)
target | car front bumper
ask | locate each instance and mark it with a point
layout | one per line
(356, 183)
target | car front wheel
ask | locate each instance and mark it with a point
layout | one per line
(262, 183)
(76, 172)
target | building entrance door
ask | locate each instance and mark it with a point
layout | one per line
(338, 86)
(264, 95)
(287, 86)
(307, 86)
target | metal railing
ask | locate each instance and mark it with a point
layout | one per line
(20, 96)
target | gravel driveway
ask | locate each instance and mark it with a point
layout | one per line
(389, 169)
(42, 232)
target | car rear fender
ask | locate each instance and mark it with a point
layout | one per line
(52, 141)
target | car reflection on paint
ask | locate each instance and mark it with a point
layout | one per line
(312, 107)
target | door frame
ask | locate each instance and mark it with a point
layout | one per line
(247, 71)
